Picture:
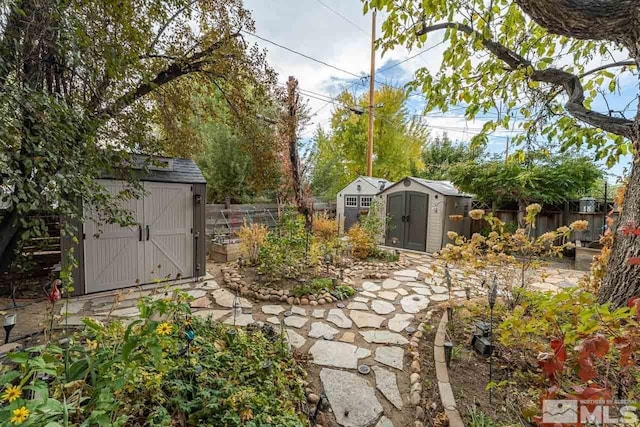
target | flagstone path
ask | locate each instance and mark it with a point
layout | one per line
(371, 329)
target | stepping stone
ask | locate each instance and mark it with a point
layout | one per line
(361, 299)
(386, 382)
(370, 286)
(385, 422)
(295, 321)
(439, 297)
(73, 307)
(352, 399)
(414, 303)
(240, 319)
(407, 273)
(399, 322)
(368, 294)
(197, 293)
(439, 289)
(424, 269)
(210, 284)
(322, 330)
(212, 314)
(337, 354)
(338, 318)
(357, 306)
(348, 337)
(272, 309)
(390, 356)
(366, 320)
(402, 292)
(298, 310)
(422, 291)
(382, 307)
(390, 284)
(318, 313)
(273, 320)
(388, 295)
(416, 285)
(202, 302)
(383, 337)
(126, 312)
(404, 279)
(225, 298)
(294, 338)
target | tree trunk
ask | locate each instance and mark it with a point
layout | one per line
(622, 280)
(8, 230)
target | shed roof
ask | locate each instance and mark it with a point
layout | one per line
(177, 170)
(445, 188)
(371, 180)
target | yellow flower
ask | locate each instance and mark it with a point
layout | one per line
(12, 393)
(91, 345)
(20, 415)
(164, 329)
(563, 230)
(579, 225)
(452, 235)
(534, 209)
(476, 214)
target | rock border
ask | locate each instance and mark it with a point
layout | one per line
(442, 375)
(415, 394)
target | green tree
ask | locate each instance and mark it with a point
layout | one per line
(536, 177)
(75, 85)
(534, 60)
(340, 154)
(441, 153)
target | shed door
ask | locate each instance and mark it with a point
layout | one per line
(114, 255)
(416, 221)
(395, 222)
(351, 211)
(168, 220)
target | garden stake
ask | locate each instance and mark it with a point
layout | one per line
(493, 296)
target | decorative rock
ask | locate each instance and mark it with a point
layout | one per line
(322, 330)
(417, 285)
(419, 413)
(390, 356)
(197, 293)
(383, 337)
(290, 300)
(272, 309)
(352, 399)
(385, 422)
(415, 366)
(295, 321)
(386, 382)
(313, 398)
(313, 303)
(348, 337)
(318, 313)
(402, 292)
(382, 307)
(361, 299)
(370, 286)
(390, 284)
(321, 301)
(407, 273)
(240, 319)
(225, 298)
(414, 378)
(439, 297)
(399, 322)
(366, 320)
(213, 314)
(439, 289)
(388, 295)
(357, 306)
(9, 347)
(294, 338)
(72, 307)
(304, 301)
(422, 291)
(337, 354)
(414, 398)
(299, 311)
(368, 294)
(274, 320)
(338, 318)
(414, 303)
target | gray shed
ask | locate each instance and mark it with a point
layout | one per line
(355, 199)
(419, 213)
(167, 242)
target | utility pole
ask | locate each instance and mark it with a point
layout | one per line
(506, 153)
(371, 90)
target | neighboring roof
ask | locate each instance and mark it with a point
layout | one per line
(445, 188)
(178, 170)
(371, 180)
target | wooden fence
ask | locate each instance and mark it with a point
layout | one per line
(224, 221)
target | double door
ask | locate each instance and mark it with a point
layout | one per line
(407, 213)
(159, 246)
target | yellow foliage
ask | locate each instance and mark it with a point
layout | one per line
(252, 238)
(324, 228)
(362, 244)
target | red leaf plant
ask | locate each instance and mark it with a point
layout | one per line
(595, 346)
(553, 363)
(635, 303)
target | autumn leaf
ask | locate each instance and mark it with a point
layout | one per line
(635, 303)
(634, 261)
(626, 347)
(553, 363)
(593, 393)
(595, 346)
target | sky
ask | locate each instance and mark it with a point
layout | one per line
(337, 33)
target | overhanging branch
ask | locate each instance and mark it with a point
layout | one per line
(569, 82)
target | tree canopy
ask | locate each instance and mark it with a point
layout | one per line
(441, 153)
(340, 153)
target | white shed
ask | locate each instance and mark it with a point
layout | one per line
(421, 212)
(355, 199)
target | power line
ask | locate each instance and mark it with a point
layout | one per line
(410, 58)
(342, 16)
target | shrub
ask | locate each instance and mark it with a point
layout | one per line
(361, 241)
(252, 238)
(324, 228)
(148, 373)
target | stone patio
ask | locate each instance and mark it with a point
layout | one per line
(371, 329)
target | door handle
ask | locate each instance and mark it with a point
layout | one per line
(148, 232)
(407, 218)
(139, 233)
(402, 219)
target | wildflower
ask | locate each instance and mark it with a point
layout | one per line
(12, 393)
(452, 235)
(564, 229)
(20, 415)
(91, 344)
(533, 209)
(579, 225)
(476, 214)
(164, 329)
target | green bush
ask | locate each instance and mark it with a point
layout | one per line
(147, 373)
